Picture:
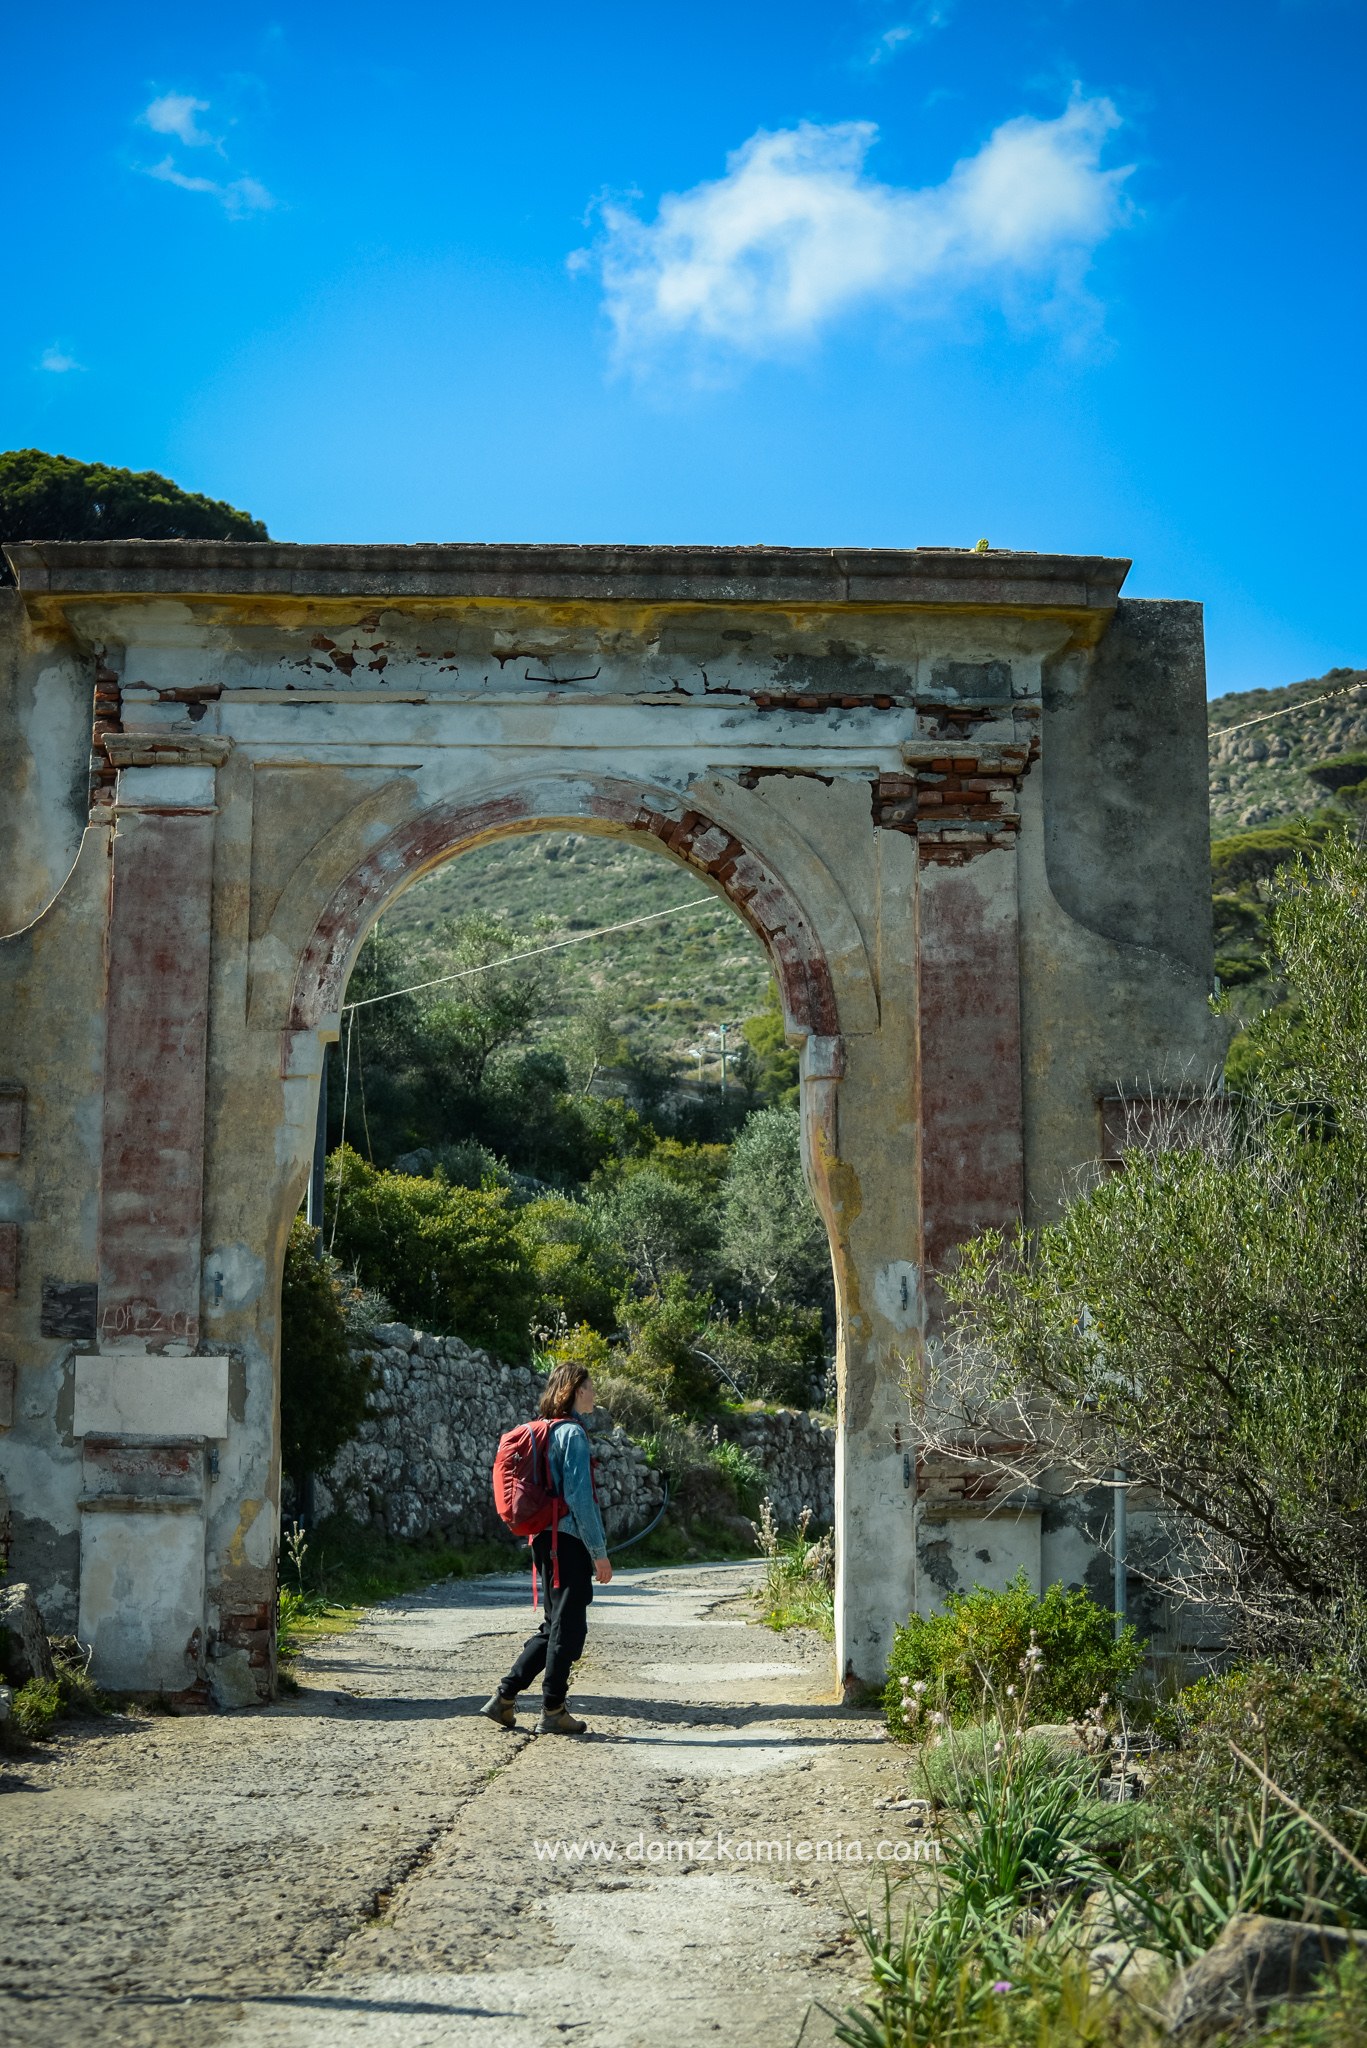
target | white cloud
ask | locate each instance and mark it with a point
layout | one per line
(797, 233)
(173, 113)
(237, 196)
(58, 360)
(919, 23)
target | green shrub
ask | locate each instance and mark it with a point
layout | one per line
(665, 1348)
(579, 1276)
(323, 1382)
(71, 1694)
(773, 1352)
(1306, 1729)
(799, 1575)
(971, 1653)
(1181, 1898)
(739, 1468)
(448, 1258)
(634, 1406)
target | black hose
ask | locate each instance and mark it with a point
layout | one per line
(627, 1541)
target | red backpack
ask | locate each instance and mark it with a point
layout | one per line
(523, 1493)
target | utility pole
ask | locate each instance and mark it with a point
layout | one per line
(719, 1031)
(313, 1211)
(1119, 1547)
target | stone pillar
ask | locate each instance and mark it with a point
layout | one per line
(149, 1411)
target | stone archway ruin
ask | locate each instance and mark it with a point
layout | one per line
(960, 797)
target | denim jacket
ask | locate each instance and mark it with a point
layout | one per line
(572, 1478)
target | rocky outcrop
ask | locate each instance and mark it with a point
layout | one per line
(24, 1648)
(1256, 1963)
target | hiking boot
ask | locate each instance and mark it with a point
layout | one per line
(560, 1721)
(500, 1710)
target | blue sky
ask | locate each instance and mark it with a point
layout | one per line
(1070, 276)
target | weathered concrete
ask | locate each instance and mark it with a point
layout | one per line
(959, 797)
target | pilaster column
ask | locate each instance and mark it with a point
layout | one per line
(148, 1412)
(151, 1190)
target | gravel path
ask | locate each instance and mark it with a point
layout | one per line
(360, 1864)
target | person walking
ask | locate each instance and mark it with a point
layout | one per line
(583, 1559)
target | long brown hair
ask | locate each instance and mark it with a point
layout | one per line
(561, 1388)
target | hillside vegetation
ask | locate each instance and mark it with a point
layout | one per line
(1277, 788)
(1260, 774)
(666, 983)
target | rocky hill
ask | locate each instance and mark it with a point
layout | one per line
(1258, 774)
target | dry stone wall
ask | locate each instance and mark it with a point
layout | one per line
(422, 1460)
(796, 1453)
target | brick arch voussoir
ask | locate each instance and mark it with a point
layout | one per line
(760, 897)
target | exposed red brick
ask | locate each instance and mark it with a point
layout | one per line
(970, 1065)
(11, 1120)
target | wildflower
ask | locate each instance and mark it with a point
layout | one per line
(919, 1687)
(997, 1748)
(1010, 1692)
(1003, 1984)
(937, 1720)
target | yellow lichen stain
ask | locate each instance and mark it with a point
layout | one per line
(843, 1202)
(237, 1551)
(623, 618)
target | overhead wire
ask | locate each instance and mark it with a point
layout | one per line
(1289, 710)
(528, 953)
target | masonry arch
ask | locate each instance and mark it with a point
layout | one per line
(841, 742)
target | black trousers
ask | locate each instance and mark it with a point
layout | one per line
(564, 1622)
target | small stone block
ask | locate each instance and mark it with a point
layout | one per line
(69, 1310)
(9, 1258)
(11, 1120)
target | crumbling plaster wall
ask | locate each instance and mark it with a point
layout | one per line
(765, 744)
(45, 721)
(1116, 933)
(51, 981)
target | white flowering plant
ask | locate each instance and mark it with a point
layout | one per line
(1007, 1652)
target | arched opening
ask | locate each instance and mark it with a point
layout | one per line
(642, 1315)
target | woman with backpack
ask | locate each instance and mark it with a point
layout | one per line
(569, 1556)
